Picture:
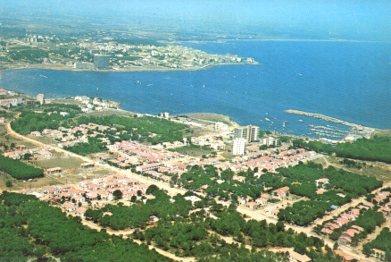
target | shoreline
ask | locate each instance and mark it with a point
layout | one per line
(218, 117)
(356, 127)
(270, 39)
(211, 117)
(123, 70)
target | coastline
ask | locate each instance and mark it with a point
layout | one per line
(256, 39)
(212, 117)
(292, 126)
(121, 70)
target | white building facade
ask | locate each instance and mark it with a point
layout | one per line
(239, 146)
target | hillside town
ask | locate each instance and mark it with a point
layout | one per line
(87, 54)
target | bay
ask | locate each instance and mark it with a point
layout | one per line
(346, 80)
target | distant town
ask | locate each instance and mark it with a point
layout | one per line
(106, 54)
(168, 182)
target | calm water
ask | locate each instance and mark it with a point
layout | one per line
(347, 80)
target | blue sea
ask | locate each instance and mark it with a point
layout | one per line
(347, 80)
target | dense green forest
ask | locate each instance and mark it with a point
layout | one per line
(300, 179)
(352, 184)
(146, 128)
(196, 235)
(5, 114)
(32, 229)
(94, 145)
(32, 121)
(377, 148)
(368, 220)
(381, 242)
(138, 214)
(38, 118)
(220, 183)
(303, 212)
(341, 188)
(18, 169)
(185, 228)
(191, 238)
(27, 54)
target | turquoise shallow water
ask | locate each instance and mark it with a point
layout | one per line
(347, 80)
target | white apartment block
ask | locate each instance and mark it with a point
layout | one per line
(239, 146)
(250, 133)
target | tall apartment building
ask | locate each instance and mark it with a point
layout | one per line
(250, 133)
(269, 141)
(239, 146)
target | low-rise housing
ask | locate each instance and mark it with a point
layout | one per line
(281, 193)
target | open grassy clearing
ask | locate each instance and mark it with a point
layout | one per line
(194, 150)
(63, 162)
(381, 171)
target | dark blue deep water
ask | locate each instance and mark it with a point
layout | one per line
(347, 80)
